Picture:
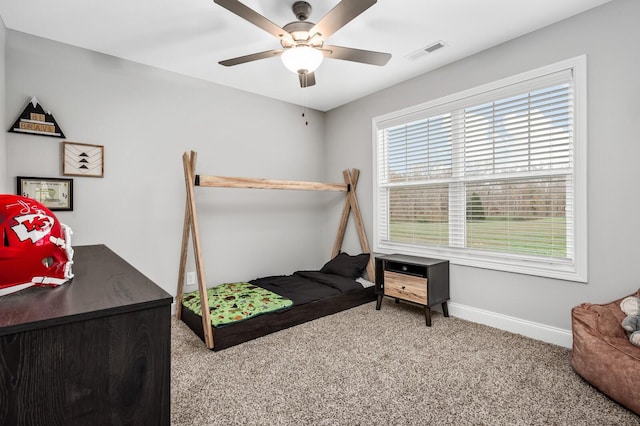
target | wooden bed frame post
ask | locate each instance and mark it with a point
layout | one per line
(351, 204)
(191, 224)
(185, 245)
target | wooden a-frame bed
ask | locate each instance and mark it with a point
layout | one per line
(220, 338)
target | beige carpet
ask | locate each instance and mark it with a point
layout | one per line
(368, 367)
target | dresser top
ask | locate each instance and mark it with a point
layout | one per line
(104, 284)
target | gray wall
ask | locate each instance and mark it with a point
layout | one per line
(3, 138)
(146, 118)
(608, 36)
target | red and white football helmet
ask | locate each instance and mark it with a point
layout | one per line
(35, 248)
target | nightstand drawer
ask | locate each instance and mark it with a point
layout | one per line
(406, 287)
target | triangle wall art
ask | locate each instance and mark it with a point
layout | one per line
(34, 120)
(82, 159)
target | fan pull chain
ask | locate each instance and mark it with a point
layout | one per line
(306, 102)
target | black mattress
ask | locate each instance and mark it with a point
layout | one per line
(307, 286)
(314, 294)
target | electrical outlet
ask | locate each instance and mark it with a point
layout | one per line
(191, 278)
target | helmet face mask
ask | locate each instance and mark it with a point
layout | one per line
(35, 248)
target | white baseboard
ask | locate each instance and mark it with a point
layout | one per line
(554, 335)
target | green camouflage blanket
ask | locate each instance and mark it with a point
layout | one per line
(232, 302)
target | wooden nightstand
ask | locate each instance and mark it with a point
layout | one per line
(413, 279)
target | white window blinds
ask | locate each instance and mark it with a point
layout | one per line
(488, 177)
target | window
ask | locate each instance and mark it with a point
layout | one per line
(493, 177)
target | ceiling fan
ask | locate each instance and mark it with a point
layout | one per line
(302, 42)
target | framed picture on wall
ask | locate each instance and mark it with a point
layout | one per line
(82, 159)
(53, 193)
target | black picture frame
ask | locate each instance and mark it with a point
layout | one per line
(54, 193)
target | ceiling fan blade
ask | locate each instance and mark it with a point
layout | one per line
(255, 18)
(249, 58)
(356, 55)
(339, 16)
(307, 79)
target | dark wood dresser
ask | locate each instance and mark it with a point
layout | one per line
(95, 351)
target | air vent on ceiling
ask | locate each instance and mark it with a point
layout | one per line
(425, 50)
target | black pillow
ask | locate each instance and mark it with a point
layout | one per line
(346, 266)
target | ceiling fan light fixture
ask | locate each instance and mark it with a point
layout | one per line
(302, 59)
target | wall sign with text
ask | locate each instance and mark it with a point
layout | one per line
(34, 120)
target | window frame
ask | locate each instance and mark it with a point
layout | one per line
(567, 270)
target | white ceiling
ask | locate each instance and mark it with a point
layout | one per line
(190, 36)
